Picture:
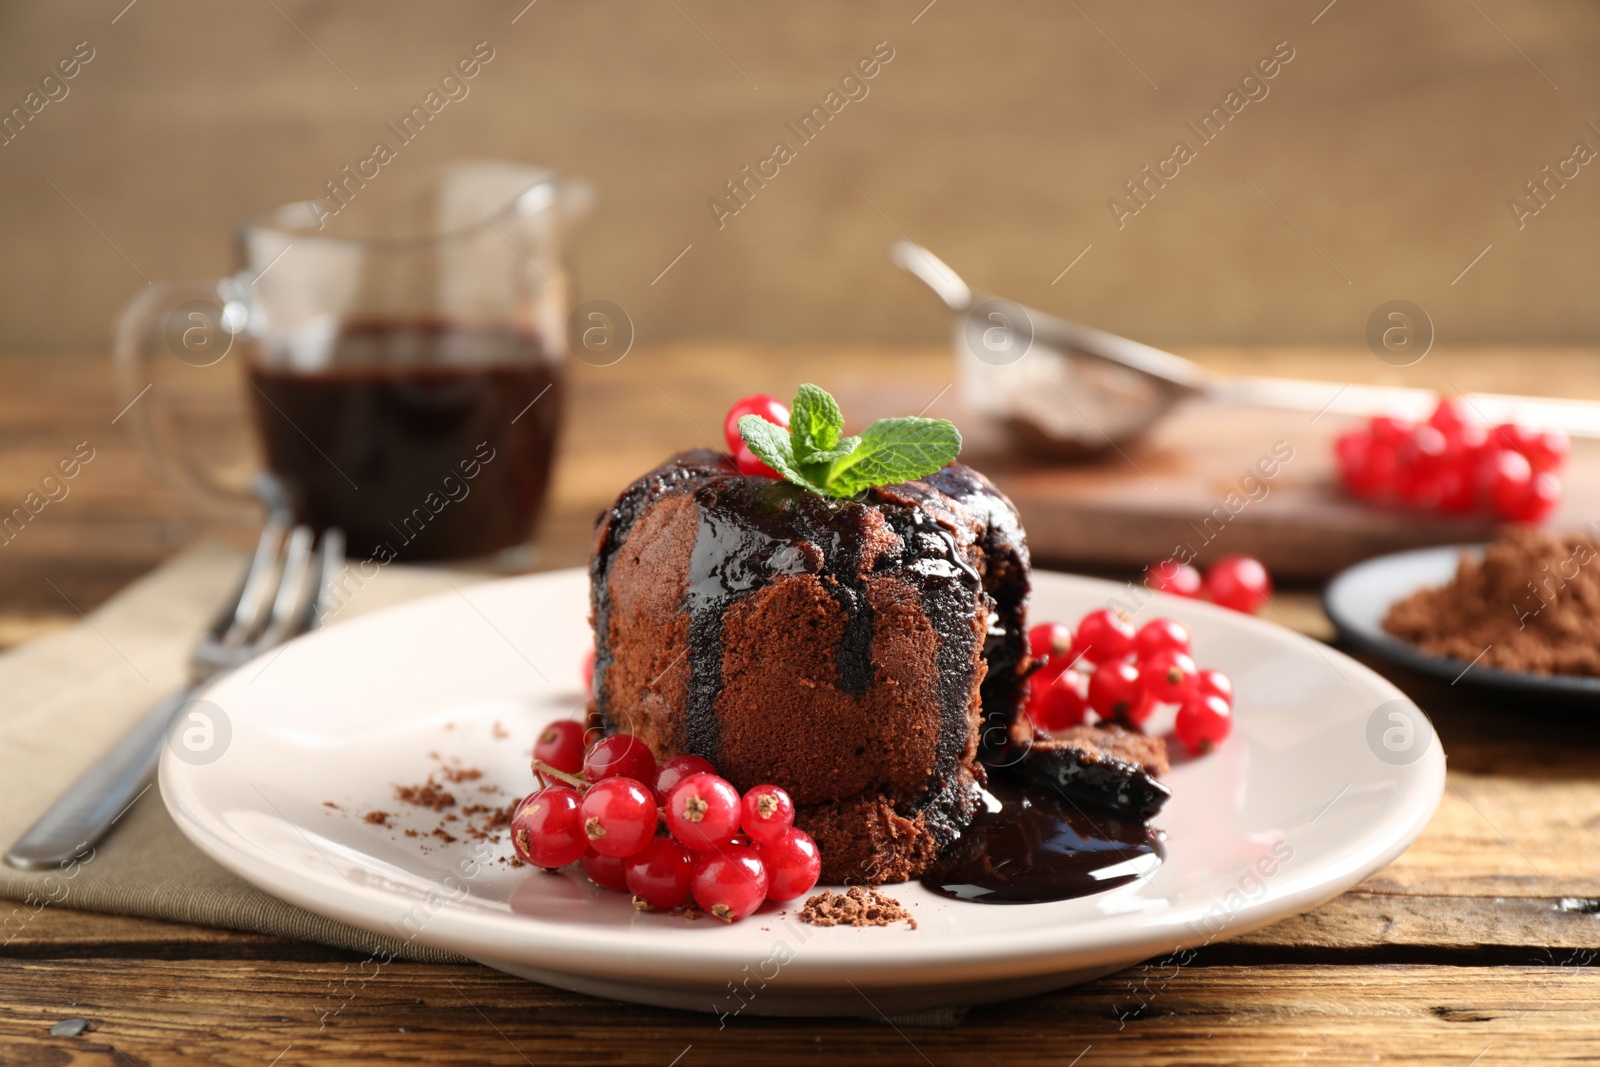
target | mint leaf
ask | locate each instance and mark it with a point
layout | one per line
(771, 445)
(812, 455)
(892, 450)
(815, 422)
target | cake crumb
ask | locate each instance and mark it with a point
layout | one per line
(377, 818)
(857, 906)
(427, 795)
(331, 804)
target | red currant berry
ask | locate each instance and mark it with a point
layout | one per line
(1203, 723)
(676, 770)
(1382, 474)
(605, 871)
(703, 811)
(1541, 499)
(1103, 636)
(1457, 488)
(1159, 635)
(730, 883)
(1050, 641)
(1169, 676)
(561, 745)
(793, 865)
(1547, 451)
(765, 813)
(749, 463)
(1170, 576)
(1467, 439)
(1451, 413)
(1056, 704)
(1212, 683)
(619, 816)
(1389, 430)
(1117, 693)
(620, 754)
(1426, 451)
(1517, 436)
(660, 873)
(769, 408)
(1239, 582)
(1509, 474)
(547, 827)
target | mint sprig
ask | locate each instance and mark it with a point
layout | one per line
(814, 455)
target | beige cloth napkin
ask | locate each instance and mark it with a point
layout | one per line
(66, 697)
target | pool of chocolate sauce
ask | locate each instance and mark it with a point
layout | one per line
(1039, 847)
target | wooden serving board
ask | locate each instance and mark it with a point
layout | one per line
(1193, 483)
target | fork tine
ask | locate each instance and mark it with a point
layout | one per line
(291, 591)
(330, 561)
(243, 615)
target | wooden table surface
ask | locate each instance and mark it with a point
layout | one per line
(1478, 946)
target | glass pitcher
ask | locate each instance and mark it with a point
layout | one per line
(401, 347)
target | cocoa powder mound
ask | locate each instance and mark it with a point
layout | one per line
(857, 906)
(1532, 600)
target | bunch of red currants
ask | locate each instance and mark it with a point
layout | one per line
(1455, 464)
(606, 805)
(1238, 582)
(1122, 675)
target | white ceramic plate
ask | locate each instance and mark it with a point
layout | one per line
(1308, 797)
(1358, 600)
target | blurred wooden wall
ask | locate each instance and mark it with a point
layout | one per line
(1377, 167)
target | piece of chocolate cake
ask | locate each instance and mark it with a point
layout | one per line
(1102, 767)
(857, 652)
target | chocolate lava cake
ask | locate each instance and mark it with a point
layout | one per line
(857, 652)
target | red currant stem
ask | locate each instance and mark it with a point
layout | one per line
(575, 781)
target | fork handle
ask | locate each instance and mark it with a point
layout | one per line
(96, 800)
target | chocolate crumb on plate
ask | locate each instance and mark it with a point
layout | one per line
(377, 818)
(856, 906)
(427, 795)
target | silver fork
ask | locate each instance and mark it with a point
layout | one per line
(280, 597)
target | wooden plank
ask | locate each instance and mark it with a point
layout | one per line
(1164, 1013)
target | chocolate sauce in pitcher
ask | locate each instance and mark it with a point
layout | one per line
(421, 439)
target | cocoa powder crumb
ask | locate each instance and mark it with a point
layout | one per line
(1531, 600)
(426, 795)
(857, 906)
(331, 804)
(377, 818)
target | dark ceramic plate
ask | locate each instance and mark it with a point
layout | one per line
(1358, 599)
